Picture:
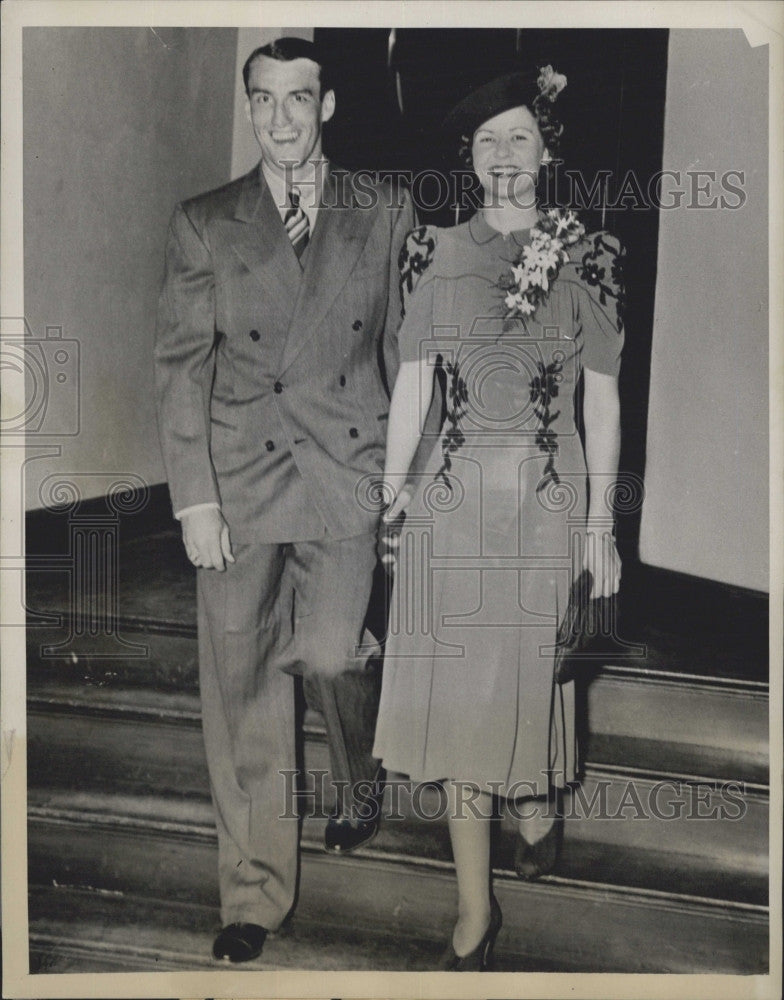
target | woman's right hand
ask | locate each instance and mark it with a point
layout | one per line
(397, 492)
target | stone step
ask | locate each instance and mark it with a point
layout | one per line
(709, 725)
(92, 930)
(677, 722)
(722, 828)
(624, 866)
(109, 851)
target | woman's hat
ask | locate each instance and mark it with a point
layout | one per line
(534, 90)
(501, 94)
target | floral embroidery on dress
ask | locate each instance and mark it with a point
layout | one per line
(452, 438)
(543, 389)
(415, 257)
(605, 255)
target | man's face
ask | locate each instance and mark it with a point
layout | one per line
(286, 110)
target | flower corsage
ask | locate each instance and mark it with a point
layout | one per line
(531, 275)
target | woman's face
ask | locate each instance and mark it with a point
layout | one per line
(507, 151)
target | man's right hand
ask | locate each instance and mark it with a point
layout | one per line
(205, 535)
(391, 524)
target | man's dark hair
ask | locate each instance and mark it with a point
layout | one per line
(286, 50)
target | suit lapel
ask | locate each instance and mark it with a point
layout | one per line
(259, 239)
(340, 233)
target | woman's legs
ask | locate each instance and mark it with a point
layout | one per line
(469, 830)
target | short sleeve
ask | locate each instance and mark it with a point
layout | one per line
(416, 284)
(601, 302)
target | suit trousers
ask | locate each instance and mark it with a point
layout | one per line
(278, 610)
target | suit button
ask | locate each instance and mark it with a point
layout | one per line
(254, 334)
(278, 387)
(342, 381)
(269, 445)
(353, 432)
(357, 324)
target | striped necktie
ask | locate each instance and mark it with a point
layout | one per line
(297, 224)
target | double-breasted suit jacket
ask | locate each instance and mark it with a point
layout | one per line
(273, 381)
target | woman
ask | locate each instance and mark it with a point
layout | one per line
(515, 305)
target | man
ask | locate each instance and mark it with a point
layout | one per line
(276, 347)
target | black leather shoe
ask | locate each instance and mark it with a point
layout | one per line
(480, 958)
(239, 942)
(343, 835)
(531, 861)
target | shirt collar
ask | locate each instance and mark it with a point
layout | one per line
(482, 232)
(310, 198)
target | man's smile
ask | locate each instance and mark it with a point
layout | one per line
(284, 135)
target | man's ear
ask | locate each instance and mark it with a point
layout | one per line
(546, 158)
(328, 105)
(247, 110)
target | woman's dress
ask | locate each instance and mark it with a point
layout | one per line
(487, 552)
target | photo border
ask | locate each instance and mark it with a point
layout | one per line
(763, 23)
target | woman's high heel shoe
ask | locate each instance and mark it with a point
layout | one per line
(479, 959)
(531, 861)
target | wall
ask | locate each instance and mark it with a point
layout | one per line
(706, 508)
(119, 125)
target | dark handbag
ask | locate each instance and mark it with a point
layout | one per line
(585, 619)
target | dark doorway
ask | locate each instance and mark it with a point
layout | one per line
(394, 89)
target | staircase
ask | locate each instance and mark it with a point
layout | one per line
(664, 866)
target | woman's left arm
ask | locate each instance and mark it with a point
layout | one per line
(601, 418)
